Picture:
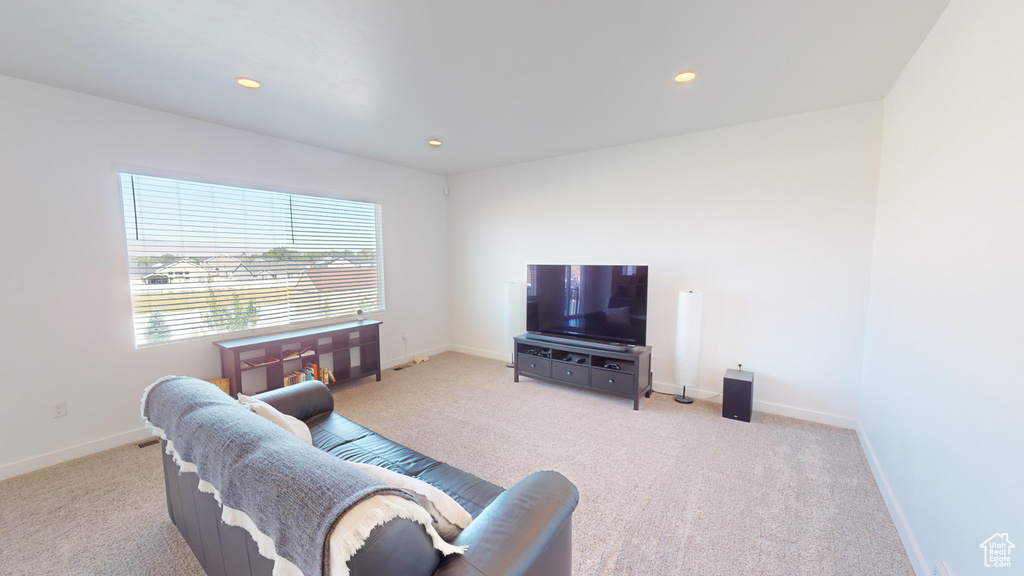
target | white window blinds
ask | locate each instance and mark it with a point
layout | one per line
(206, 259)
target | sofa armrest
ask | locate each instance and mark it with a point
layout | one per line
(514, 534)
(303, 400)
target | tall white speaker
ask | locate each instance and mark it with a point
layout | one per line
(688, 324)
(515, 315)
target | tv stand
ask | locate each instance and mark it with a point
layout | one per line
(605, 367)
(613, 346)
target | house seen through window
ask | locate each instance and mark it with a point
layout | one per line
(206, 259)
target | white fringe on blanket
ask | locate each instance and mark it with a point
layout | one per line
(348, 535)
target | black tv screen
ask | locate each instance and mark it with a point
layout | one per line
(602, 303)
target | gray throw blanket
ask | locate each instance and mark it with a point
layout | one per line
(293, 492)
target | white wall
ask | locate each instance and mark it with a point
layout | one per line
(65, 307)
(773, 221)
(943, 393)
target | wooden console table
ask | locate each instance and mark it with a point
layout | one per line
(338, 340)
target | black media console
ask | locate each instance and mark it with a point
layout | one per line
(612, 369)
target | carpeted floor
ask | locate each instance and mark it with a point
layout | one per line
(104, 514)
(668, 490)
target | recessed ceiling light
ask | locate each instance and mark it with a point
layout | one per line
(247, 82)
(685, 77)
(434, 142)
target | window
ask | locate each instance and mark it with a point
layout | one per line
(206, 259)
(573, 295)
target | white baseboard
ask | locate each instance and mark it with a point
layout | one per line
(482, 353)
(77, 451)
(698, 393)
(86, 448)
(804, 414)
(761, 406)
(388, 364)
(909, 543)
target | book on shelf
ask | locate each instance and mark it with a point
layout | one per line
(299, 353)
(254, 362)
(309, 372)
(313, 370)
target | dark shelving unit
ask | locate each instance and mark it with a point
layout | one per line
(337, 340)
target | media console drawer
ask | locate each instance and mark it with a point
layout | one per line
(571, 372)
(529, 364)
(612, 380)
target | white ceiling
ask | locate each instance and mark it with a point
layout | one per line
(500, 82)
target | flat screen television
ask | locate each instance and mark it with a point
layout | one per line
(600, 303)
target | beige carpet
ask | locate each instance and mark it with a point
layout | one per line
(668, 490)
(100, 515)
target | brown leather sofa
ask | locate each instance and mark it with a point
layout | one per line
(523, 531)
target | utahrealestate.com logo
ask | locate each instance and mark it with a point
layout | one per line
(997, 550)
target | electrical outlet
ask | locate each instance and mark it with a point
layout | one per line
(940, 569)
(60, 409)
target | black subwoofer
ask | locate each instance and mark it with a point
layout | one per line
(738, 395)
